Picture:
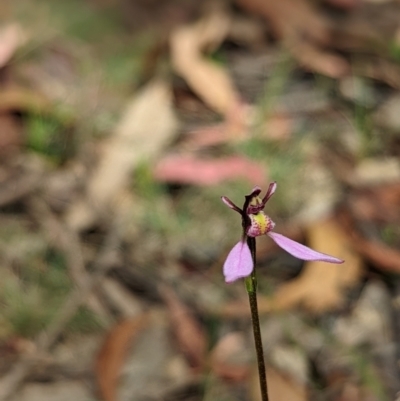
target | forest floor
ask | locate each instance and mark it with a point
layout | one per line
(122, 123)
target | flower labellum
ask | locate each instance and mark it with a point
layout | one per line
(239, 262)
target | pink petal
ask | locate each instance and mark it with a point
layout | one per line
(230, 204)
(271, 190)
(239, 262)
(255, 192)
(300, 251)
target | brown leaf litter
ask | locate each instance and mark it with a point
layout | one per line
(189, 334)
(125, 149)
(207, 79)
(113, 354)
(320, 287)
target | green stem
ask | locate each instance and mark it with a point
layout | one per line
(251, 286)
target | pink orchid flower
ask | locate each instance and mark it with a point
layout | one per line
(239, 262)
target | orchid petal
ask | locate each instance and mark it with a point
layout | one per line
(255, 192)
(230, 204)
(239, 262)
(271, 190)
(300, 251)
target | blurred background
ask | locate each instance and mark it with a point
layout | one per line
(122, 122)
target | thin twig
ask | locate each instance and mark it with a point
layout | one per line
(16, 188)
(104, 262)
(67, 241)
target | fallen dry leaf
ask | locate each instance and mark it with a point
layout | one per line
(278, 127)
(189, 334)
(374, 207)
(113, 353)
(17, 99)
(376, 171)
(147, 125)
(378, 253)
(191, 170)
(10, 136)
(320, 286)
(303, 30)
(280, 387)
(353, 391)
(12, 36)
(208, 80)
(227, 358)
(120, 297)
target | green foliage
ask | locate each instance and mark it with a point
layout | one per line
(84, 321)
(390, 234)
(369, 375)
(371, 141)
(24, 309)
(33, 298)
(394, 51)
(123, 62)
(144, 183)
(47, 135)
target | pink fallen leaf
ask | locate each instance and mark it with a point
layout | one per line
(11, 37)
(191, 170)
(277, 127)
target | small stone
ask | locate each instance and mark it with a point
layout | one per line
(388, 115)
(357, 90)
(370, 321)
(377, 171)
(292, 361)
(60, 391)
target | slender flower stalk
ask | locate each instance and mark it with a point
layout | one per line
(251, 287)
(241, 260)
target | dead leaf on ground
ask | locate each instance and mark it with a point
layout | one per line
(146, 127)
(353, 391)
(303, 30)
(374, 204)
(380, 254)
(278, 127)
(18, 99)
(113, 352)
(369, 211)
(10, 136)
(376, 171)
(208, 80)
(190, 170)
(379, 69)
(189, 334)
(126, 303)
(12, 36)
(320, 286)
(280, 387)
(227, 360)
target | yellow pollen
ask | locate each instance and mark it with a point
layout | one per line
(262, 221)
